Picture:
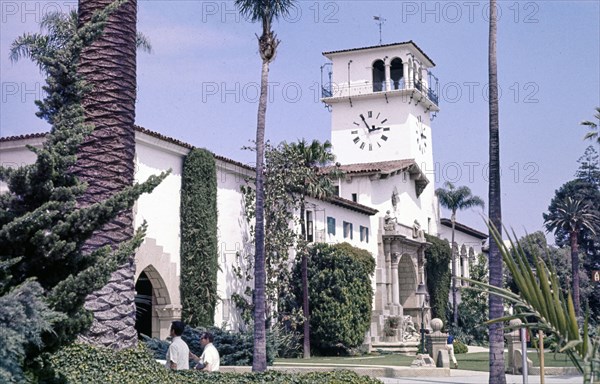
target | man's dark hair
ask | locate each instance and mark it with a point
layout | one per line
(178, 327)
(208, 336)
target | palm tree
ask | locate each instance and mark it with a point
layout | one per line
(60, 27)
(573, 216)
(593, 133)
(106, 159)
(497, 375)
(314, 185)
(264, 11)
(456, 199)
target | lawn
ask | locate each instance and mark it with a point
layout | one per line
(373, 359)
(471, 361)
(480, 361)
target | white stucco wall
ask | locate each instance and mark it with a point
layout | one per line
(160, 209)
(14, 154)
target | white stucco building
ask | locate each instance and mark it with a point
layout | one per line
(382, 100)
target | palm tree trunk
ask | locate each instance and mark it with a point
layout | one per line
(454, 305)
(305, 311)
(497, 375)
(259, 361)
(106, 160)
(575, 271)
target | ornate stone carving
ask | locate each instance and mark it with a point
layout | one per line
(389, 222)
(408, 328)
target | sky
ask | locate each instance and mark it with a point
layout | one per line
(200, 83)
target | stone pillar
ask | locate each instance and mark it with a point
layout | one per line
(166, 314)
(382, 281)
(406, 75)
(395, 283)
(387, 77)
(388, 272)
(421, 264)
(394, 290)
(436, 340)
(513, 343)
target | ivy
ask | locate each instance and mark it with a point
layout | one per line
(438, 256)
(199, 252)
(281, 172)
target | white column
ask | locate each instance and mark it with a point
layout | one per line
(395, 283)
(406, 74)
(388, 76)
(388, 268)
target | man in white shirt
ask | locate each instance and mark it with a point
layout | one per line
(210, 360)
(178, 352)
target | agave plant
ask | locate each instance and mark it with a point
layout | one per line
(542, 305)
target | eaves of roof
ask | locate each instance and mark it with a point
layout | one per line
(140, 130)
(348, 204)
(353, 206)
(463, 228)
(383, 46)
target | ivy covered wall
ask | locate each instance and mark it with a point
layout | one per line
(437, 269)
(199, 252)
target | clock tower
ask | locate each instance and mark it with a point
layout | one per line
(382, 99)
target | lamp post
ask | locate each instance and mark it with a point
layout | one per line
(422, 291)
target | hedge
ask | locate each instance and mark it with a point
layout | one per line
(83, 363)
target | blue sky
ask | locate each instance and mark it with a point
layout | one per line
(200, 84)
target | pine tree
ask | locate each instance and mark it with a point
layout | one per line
(42, 226)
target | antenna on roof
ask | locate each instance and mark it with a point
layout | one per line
(380, 20)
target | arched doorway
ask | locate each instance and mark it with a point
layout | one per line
(153, 304)
(407, 276)
(143, 305)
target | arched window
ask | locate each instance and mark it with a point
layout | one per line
(378, 76)
(397, 73)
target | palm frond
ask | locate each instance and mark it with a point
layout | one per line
(541, 298)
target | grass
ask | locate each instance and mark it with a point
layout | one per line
(392, 360)
(471, 361)
(480, 361)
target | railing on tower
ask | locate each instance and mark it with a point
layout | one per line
(365, 87)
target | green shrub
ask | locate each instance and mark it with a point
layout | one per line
(459, 347)
(340, 292)
(83, 363)
(199, 249)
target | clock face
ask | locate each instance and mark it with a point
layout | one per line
(421, 132)
(370, 130)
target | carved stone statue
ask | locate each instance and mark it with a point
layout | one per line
(418, 233)
(408, 328)
(389, 222)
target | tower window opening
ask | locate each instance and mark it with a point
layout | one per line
(378, 76)
(397, 73)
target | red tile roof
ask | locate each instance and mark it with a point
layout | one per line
(463, 228)
(348, 204)
(383, 45)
